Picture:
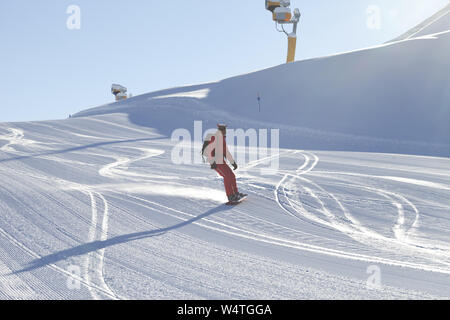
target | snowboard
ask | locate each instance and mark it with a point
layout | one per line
(235, 203)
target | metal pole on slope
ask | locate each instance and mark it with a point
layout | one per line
(259, 102)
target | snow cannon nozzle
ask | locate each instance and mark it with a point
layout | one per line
(271, 5)
(120, 92)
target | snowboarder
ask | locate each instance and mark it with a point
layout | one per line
(216, 152)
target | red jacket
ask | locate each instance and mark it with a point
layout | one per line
(210, 150)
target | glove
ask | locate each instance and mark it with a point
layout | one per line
(235, 166)
(213, 166)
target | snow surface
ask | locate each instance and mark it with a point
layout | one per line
(392, 98)
(434, 24)
(97, 199)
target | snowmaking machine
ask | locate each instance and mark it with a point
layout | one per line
(120, 92)
(282, 15)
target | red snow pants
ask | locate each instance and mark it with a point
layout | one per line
(229, 179)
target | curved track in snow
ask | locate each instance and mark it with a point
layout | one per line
(96, 202)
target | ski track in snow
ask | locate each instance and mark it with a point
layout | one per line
(361, 234)
(13, 287)
(288, 194)
(402, 233)
(96, 258)
(16, 137)
(307, 167)
(99, 191)
(265, 238)
(54, 267)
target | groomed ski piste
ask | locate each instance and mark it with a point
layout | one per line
(93, 207)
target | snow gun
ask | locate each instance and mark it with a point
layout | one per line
(282, 15)
(120, 92)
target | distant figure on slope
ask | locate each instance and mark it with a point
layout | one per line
(216, 152)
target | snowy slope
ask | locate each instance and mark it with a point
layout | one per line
(101, 194)
(92, 207)
(436, 23)
(391, 98)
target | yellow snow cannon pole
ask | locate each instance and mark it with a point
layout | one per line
(292, 45)
(282, 15)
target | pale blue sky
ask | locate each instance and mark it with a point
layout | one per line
(48, 71)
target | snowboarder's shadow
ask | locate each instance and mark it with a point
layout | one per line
(98, 245)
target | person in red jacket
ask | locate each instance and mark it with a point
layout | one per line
(216, 152)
